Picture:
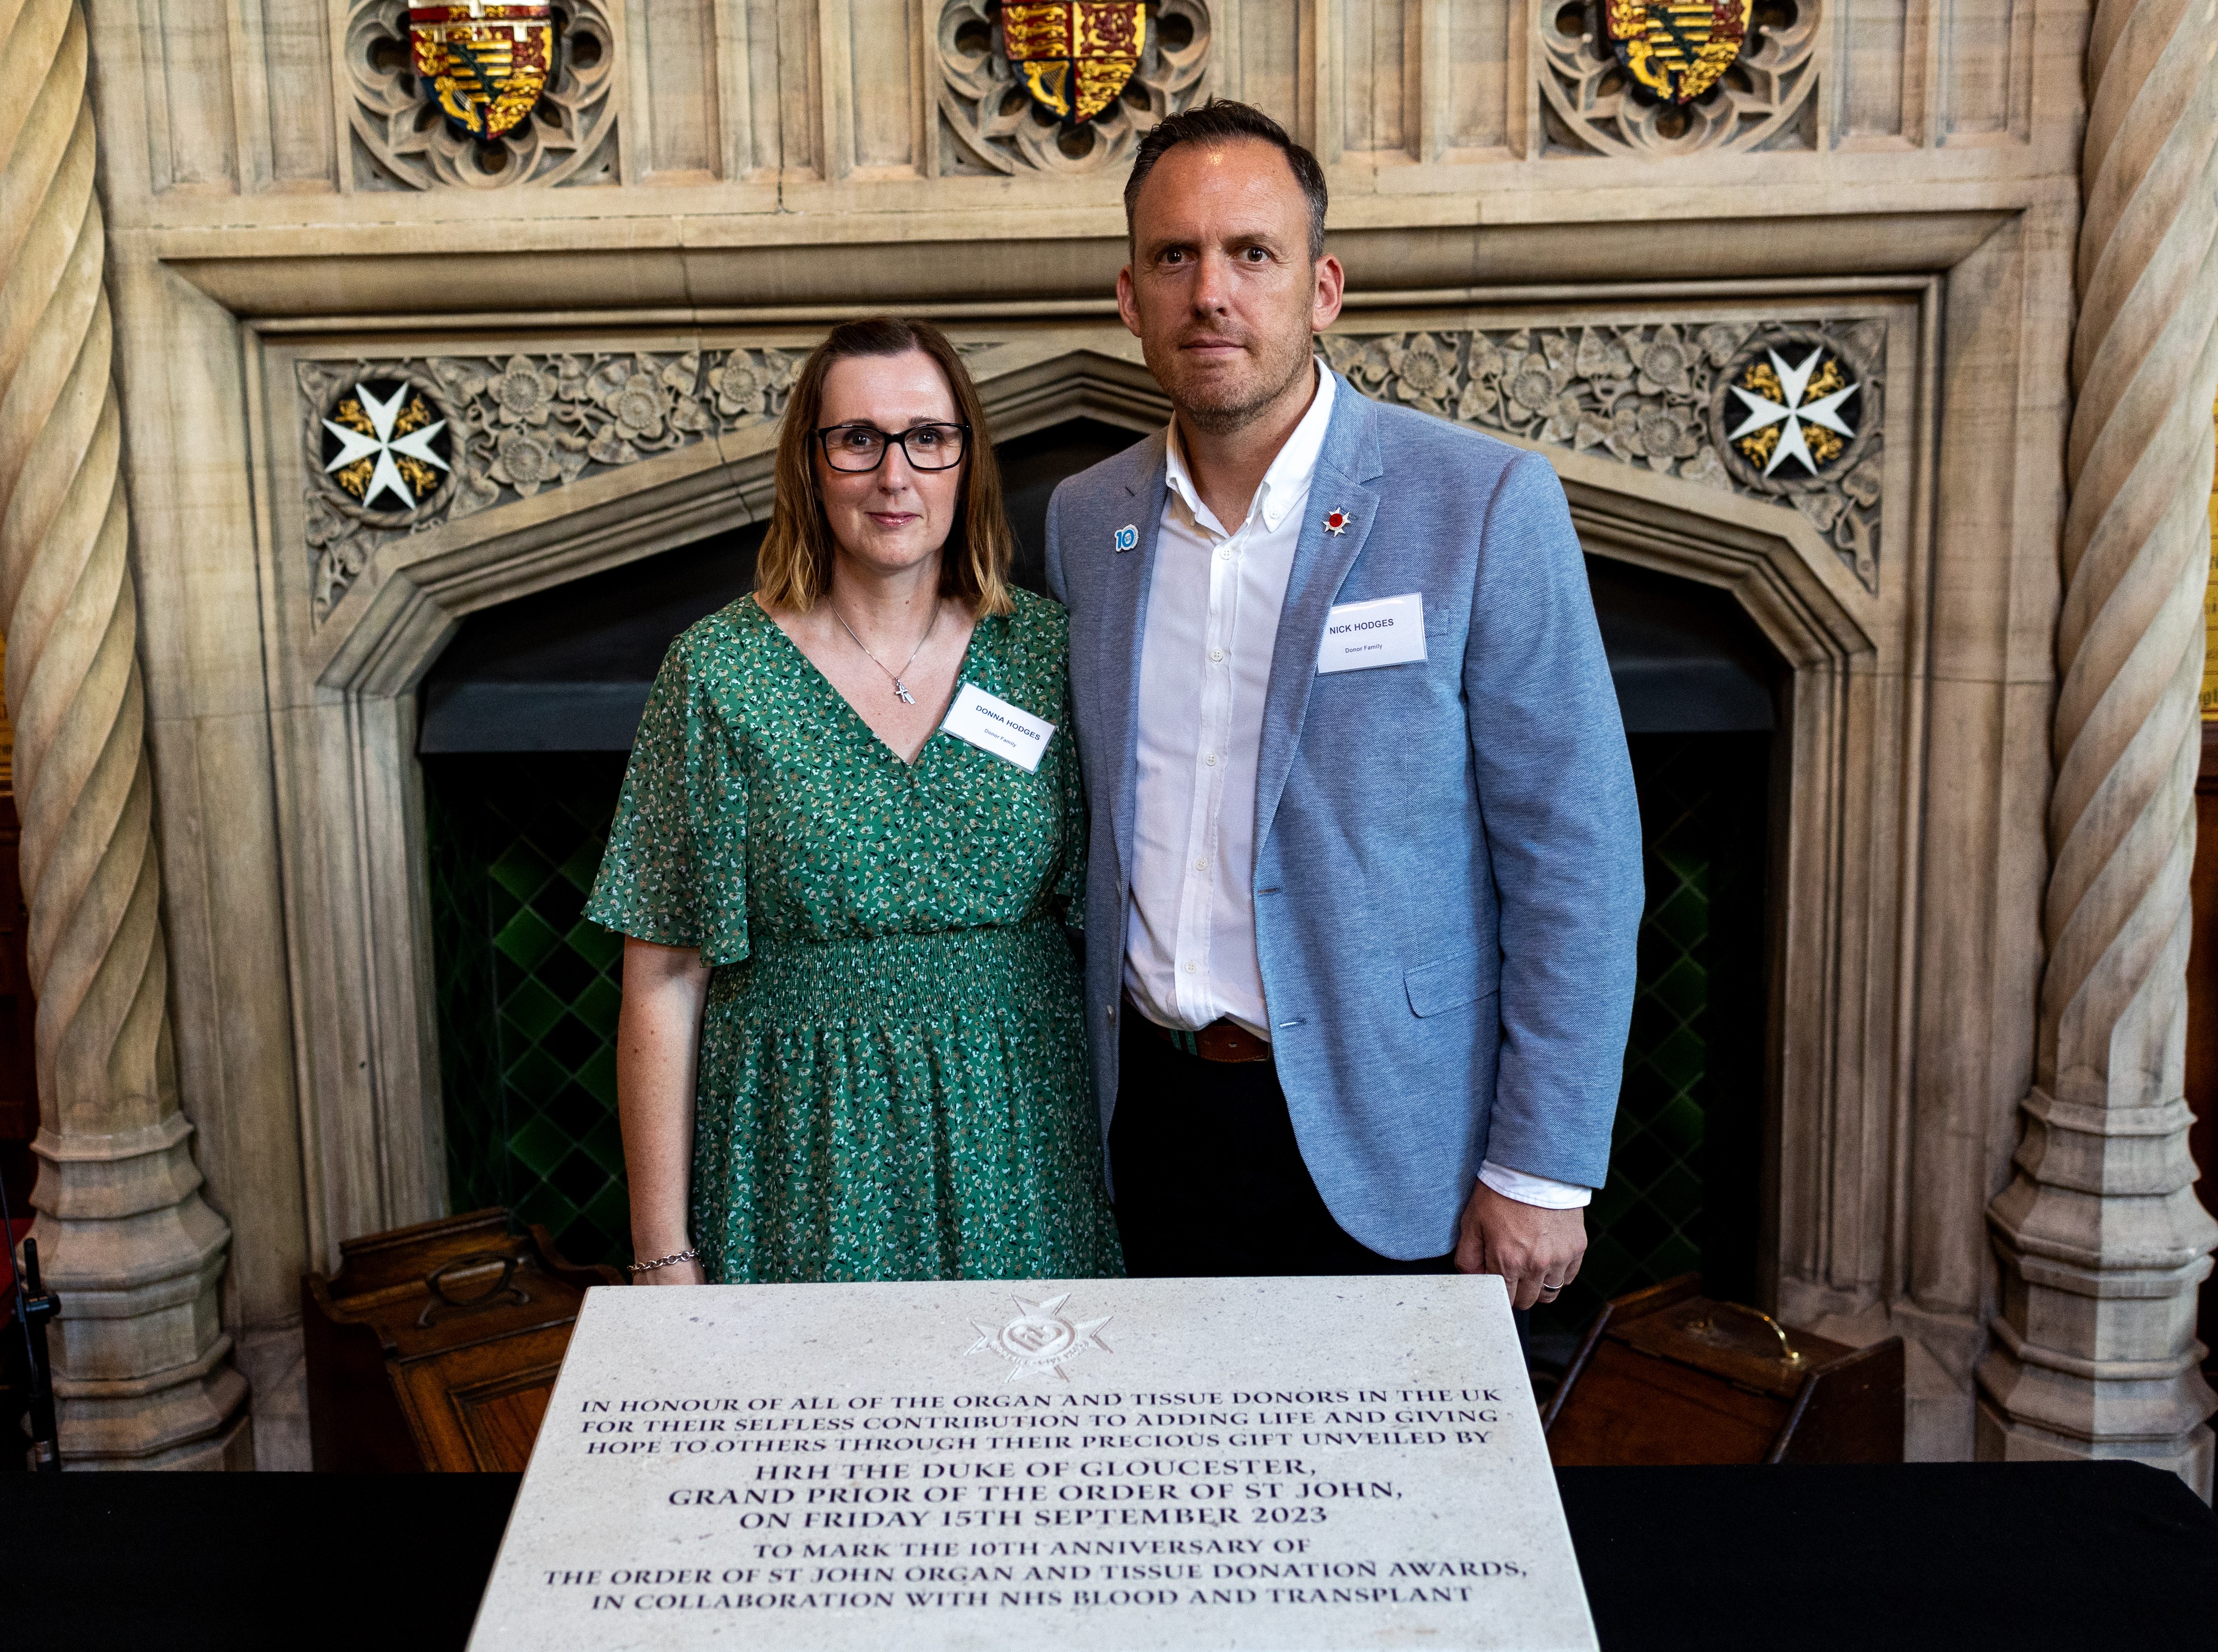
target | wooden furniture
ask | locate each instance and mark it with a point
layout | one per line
(435, 1347)
(1666, 1375)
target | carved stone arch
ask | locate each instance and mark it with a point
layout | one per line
(352, 812)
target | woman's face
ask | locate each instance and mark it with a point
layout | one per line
(896, 517)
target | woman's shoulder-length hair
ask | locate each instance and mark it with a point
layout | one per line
(794, 567)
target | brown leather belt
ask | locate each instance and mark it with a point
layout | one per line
(1220, 1041)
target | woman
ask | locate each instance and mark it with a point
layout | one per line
(851, 1045)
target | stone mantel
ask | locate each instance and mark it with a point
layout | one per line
(686, 270)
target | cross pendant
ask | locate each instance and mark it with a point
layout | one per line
(902, 693)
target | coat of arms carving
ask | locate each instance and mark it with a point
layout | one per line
(1656, 77)
(486, 64)
(1678, 49)
(1075, 57)
(483, 95)
(1063, 88)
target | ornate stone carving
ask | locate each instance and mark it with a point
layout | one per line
(1659, 396)
(403, 141)
(1666, 397)
(515, 426)
(989, 123)
(143, 1369)
(1593, 106)
(2102, 1239)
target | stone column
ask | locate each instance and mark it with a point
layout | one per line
(2102, 1238)
(142, 1368)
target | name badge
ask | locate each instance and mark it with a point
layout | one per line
(992, 724)
(1388, 632)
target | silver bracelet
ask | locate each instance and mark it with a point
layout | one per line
(638, 1268)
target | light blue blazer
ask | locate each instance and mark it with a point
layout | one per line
(1447, 869)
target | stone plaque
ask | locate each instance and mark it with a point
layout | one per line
(1304, 1465)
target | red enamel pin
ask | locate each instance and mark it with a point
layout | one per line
(1335, 522)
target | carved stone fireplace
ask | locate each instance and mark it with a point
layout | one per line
(571, 458)
(1968, 538)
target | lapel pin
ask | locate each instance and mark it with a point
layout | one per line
(1127, 537)
(1335, 522)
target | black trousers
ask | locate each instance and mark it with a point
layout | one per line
(1208, 1178)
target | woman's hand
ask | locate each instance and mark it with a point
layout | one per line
(678, 1273)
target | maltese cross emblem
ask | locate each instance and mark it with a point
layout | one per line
(1040, 1340)
(385, 446)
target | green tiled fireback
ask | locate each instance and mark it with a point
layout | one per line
(528, 993)
(1685, 1161)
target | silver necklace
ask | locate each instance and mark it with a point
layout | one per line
(901, 689)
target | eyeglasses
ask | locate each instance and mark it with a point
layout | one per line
(863, 447)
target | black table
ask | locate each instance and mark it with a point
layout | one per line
(1960, 1556)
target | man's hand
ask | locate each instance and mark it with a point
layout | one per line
(1536, 1252)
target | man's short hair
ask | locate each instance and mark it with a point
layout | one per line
(1219, 121)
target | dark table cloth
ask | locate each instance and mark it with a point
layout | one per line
(2082, 1555)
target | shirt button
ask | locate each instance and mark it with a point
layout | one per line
(1226, 553)
(1201, 866)
(1191, 967)
(1210, 760)
(1216, 653)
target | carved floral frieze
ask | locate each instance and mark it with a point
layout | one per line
(1696, 402)
(515, 426)
(1790, 413)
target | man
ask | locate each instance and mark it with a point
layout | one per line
(1365, 875)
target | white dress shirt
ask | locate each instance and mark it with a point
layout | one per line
(1212, 625)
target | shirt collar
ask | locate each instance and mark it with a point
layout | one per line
(1287, 481)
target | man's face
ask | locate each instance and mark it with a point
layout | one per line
(1220, 291)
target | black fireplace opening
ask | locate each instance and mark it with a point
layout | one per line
(524, 725)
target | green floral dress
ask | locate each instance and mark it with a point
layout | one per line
(892, 1080)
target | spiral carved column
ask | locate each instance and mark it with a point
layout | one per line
(2102, 1239)
(143, 1372)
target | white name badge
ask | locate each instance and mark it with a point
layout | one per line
(992, 724)
(1388, 632)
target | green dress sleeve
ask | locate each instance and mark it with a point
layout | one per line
(675, 871)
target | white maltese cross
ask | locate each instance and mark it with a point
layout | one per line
(353, 445)
(1794, 412)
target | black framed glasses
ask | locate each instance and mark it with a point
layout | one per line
(863, 447)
